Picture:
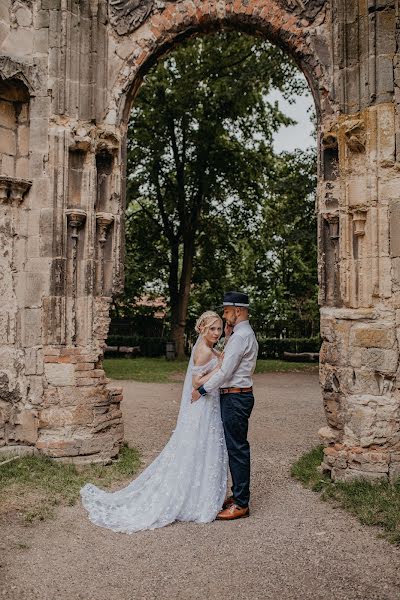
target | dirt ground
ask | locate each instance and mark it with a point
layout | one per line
(294, 546)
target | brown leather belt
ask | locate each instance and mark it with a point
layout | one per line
(235, 390)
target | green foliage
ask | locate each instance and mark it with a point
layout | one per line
(275, 347)
(150, 347)
(210, 206)
(373, 503)
(34, 485)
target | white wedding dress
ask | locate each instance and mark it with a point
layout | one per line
(186, 482)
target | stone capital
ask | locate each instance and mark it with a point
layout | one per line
(103, 220)
(12, 190)
(76, 218)
(359, 218)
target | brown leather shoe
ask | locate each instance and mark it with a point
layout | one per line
(233, 512)
(228, 502)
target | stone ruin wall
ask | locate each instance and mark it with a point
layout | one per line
(69, 70)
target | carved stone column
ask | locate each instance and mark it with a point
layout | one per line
(16, 423)
(76, 218)
(103, 220)
(359, 219)
(11, 195)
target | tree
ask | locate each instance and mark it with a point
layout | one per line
(200, 156)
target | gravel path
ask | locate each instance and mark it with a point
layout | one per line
(292, 547)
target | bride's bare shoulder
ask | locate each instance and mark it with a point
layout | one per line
(202, 355)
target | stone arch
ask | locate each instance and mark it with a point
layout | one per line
(87, 63)
(179, 20)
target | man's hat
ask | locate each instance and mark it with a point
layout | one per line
(236, 299)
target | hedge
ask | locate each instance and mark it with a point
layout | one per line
(149, 346)
(275, 347)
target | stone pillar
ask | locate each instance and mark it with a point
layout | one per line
(18, 423)
(359, 360)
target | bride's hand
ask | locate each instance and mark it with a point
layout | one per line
(220, 359)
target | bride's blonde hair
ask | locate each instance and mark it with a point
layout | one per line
(205, 320)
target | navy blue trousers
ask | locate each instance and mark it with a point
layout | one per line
(235, 413)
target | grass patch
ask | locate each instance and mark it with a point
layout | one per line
(33, 486)
(148, 370)
(372, 503)
(160, 370)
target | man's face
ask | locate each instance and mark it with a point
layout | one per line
(231, 314)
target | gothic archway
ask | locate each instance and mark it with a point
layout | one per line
(82, 80)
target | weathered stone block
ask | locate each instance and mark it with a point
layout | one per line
(328, 435)
(45, 229)
(57, 416)
(20, 43)
(378, 359)
(59, 374)
(356, 475)
(39, 134)
(7, 116)
(371, 420)
(8, 142)
(356, 190)
(22, 168)
(373, 335)
(394, 228)
(41, 41)
(333, 405)
(30, 361)
(35, 390)
(37, 285)
(7, 165)
(23, 140)
(31, 321)
(26, 427)
(329, 353)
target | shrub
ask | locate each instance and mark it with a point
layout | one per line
(149, 346)
(275, 347)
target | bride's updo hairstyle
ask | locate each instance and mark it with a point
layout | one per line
(205, 320)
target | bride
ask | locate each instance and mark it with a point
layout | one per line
(187, 481)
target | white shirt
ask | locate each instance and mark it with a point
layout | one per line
(239, 360)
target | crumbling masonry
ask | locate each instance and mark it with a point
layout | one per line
(69, 71)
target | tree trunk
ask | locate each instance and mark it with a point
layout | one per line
(179, 311)
(173, 285)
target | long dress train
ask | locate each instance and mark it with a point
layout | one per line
(186, 482)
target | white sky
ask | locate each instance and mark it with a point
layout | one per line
(295, 136)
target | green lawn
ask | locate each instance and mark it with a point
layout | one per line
(32, 486)
(373, 503)
(160, 370)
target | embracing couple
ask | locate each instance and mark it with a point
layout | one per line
(188, 480)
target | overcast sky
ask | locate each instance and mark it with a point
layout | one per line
(295, 136)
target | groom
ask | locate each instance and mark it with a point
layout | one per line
(234, 378)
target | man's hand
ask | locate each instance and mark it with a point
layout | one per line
(196, 382)
(195, 395)
(228, 330)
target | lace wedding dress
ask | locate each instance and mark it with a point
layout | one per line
(186, 482)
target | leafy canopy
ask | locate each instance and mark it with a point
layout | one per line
(203, 180)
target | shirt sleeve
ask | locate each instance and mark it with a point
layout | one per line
(233, 355)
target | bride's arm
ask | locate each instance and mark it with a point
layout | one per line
(198, 380)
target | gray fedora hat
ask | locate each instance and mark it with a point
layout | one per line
(236, 299)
